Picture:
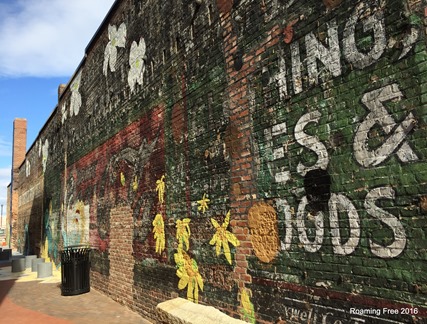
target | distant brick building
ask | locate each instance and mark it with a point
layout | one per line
(18, 157)
(267, 158)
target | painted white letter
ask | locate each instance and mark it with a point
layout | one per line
(394, 249)
(296, 67)
(311, 142)
(283, 206)
(281, 79)
(329, 57)
(375, 22)
(310, 246)
(339, 202)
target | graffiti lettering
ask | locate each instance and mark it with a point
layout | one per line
(379, 115)
(372, 20)
(340, 203)
(281, 79)
(329, 57)
(310, 246)
(283, 207)
(394, 249)
(373, 23)
(364, 155)
(395, 143)
(316, 315)
(311, 142)
(296, 67)
(295, 310)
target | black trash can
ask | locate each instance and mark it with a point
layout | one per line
(75, 270)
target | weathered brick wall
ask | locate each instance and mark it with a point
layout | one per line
(18, 156)
(30, 205)
(33, 226)
(267, 158)
(8, 215)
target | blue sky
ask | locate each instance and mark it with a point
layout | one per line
(42, 42)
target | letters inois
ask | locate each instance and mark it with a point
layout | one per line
(370, 18)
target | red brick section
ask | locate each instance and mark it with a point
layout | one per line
(242, 179)
(243, 185)
(18, 156)
(244, 193)
(122, 262)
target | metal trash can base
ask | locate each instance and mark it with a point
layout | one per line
(75, 271)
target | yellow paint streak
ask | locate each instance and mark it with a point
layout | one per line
(160, 188)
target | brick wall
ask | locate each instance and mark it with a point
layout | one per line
(267, 158)
(18, 156)
(29, 226)
(8, 219)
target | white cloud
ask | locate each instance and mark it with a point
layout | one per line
(47, 38)
(5, 148)
(5, 174)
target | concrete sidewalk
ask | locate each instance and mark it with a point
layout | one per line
(26, 299)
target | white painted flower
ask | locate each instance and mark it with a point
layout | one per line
(76, 98)
(117, 38)
(45, 153)
(64, 113)
(27, 168)
(39, 145)
(136, 62)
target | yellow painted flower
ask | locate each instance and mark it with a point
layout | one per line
(159, 233)
(188, 274)
(160, 188)
(135, 184)
(247, 307)
(122, 179)
(222, 237)
(203, 203)
(183, 233)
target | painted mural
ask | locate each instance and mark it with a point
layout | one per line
(117, 37)
(54, 237)
(333, 164)
(247, 307)
(279, 176)
(159, 233)
(222, 238)
(117, 177)
(188, 273)
(136, 63)
(76, 98)
(77, 224)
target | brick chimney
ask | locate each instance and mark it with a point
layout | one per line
(19, 142)
(18, 156)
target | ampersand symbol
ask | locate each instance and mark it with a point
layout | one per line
(395, 143)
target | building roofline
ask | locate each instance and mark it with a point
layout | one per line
(87, 49)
